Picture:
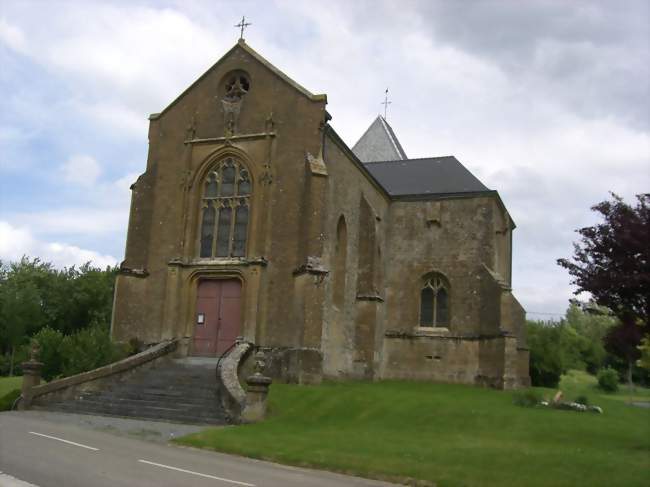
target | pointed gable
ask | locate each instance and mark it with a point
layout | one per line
(242, 46)
(379, 143)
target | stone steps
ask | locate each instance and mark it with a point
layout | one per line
(133, 399)
(172, 391)
(141, 413)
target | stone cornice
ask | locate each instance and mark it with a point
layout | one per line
(411, 335)
(232, 138)
(370, 297)
(133, 272)
(217, 263)
(312, 266)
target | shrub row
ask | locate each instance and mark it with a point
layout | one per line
(65, 355)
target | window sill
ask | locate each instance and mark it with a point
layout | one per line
(430, 331)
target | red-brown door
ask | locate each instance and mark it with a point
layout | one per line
(218, 316)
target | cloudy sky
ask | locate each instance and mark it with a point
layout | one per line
(545, 101)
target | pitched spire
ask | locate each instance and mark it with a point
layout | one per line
(379, 143)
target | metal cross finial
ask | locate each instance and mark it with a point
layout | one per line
(242, 25)
(386, 103)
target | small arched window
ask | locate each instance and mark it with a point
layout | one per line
(434, 303)
(225, 210)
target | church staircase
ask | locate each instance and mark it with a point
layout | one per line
(176, 390)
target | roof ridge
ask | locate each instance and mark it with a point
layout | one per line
(279, 72)
(393, 137)
(412, 159)
(383, 126)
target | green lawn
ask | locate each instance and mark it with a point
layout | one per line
(9, 391)
(451, 434)
(8, 384)
(579, 382)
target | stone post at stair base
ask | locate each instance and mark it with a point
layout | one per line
(257, 392)
(31, 376)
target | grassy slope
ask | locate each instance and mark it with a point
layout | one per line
(579, 382)
(9, 391)
(8, 384)
(454, 435)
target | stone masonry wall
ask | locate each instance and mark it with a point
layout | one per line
(351, 329)
(277, 126)
(430, 358)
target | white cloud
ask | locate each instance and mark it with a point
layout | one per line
(75, 221)
(18, 241)
(121, 63)
(12, 36)
(105, 214)
(549, 107)
(81, 169)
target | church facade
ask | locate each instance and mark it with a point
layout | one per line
(254, 219)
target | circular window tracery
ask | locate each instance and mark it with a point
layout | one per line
(237, 86)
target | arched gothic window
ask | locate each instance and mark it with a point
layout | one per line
(225, 209)
(434, 303)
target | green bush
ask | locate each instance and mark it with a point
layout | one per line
(50, 341)
(591, 324)
(8, 399)
(65, 355)
(548, 353)
(528, 398)
(582, 399)
(608, 379)
(134, 346)
(88, 349)
(20, 356)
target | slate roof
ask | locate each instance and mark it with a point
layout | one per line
(379, 143)
(423, 177)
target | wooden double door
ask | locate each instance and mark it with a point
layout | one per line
(218, 316)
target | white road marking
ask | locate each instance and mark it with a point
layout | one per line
(9, 481)
(197, 473)
(64, 441)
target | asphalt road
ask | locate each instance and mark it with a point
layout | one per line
(46, 452)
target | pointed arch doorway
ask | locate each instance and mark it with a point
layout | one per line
(218, 316)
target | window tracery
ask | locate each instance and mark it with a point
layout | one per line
(225, 210)
(434, 303)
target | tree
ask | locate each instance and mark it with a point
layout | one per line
(34, 295)
(20, 312)
(592, 324)
(612, 263)
(644, 348)
(552, 351)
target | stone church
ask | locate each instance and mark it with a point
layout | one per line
(254, 219)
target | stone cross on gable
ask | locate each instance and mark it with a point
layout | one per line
(242, 25)
(386, 103)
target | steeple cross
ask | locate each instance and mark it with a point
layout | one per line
(243, 24)
(386, 103)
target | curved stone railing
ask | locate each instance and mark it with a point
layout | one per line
(95, 379)
(233, 395)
